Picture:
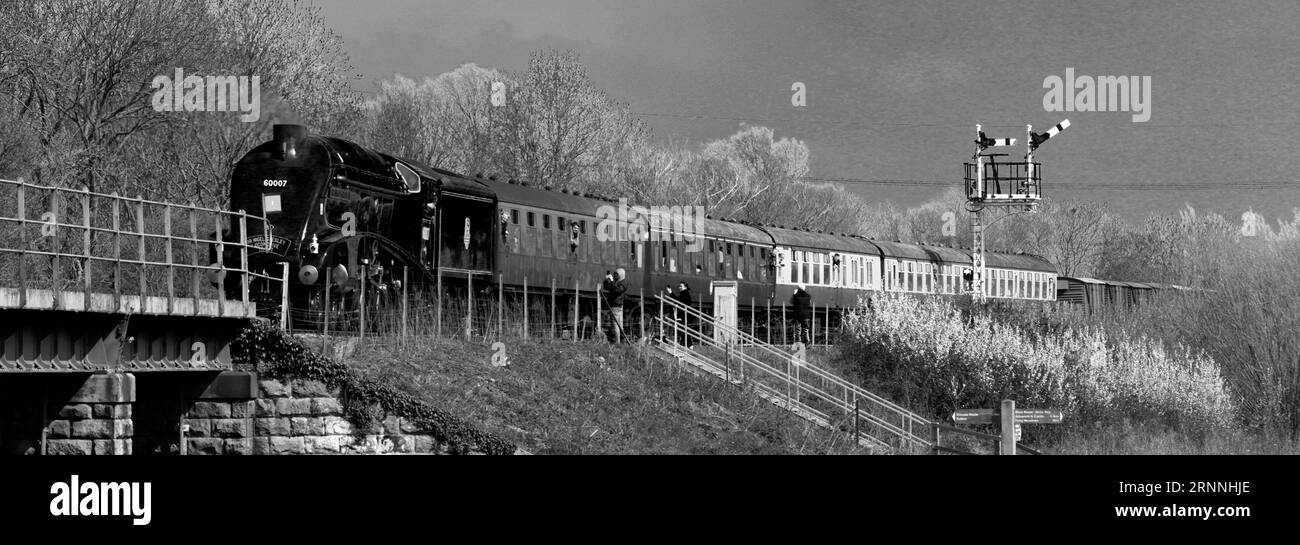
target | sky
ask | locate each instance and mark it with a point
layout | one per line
(894, 89)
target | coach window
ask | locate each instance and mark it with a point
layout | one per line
(582, 240)
(743, 260)
(530, 247)
(544, 236)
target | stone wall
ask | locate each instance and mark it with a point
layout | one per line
(294, 417)
(231, 412)
(96, 419)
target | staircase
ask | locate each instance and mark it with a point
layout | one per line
(782, 378)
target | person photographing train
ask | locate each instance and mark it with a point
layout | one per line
(615, 288)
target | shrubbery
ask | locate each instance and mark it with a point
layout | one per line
(931, 357)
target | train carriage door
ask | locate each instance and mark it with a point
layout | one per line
(724, 311)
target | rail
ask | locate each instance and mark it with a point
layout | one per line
(75, 249)
(803, 388)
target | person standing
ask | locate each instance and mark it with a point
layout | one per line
(802, 303)
(615, 290)
(684, 297)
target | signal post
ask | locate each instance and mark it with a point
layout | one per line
(994, 182)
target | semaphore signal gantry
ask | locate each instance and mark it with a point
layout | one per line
(993, 180)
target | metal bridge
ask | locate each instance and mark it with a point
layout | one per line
(103, 282)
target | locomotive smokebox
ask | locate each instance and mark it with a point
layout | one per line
(289, 137)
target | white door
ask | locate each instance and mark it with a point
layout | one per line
(724, 312)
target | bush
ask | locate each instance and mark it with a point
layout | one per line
(931, 357)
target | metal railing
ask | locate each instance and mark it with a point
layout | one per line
(805, 389)
(75, 249)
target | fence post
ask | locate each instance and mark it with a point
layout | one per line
(117, 253)
(284, 295)
(812, 335)
(855, 421)
(552, 326)
(784, 335)
(438, 314)
(221, 264)
(85, 221)
(194, 253)
(576, 308)
(404, 278)
(661, 317)
(469, 305)
(600, 293)
(55, 280)
(768, 321)
(361, 305)
(171, 268)
(243, 257)
(752, 330)
(935, 448)
(641, 297)
(139, 221)
(727, 348)
(22, 238)
(1008, 427)
(501, 307)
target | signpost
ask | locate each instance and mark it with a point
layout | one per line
(974, 416)
(1010, 418)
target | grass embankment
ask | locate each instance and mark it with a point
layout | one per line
(558, 397)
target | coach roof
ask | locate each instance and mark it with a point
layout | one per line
(518, 193)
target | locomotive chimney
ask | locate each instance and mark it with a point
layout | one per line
(289, 137)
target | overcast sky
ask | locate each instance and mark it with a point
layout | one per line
(894, 89)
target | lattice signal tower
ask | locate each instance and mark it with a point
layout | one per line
(1002, 183)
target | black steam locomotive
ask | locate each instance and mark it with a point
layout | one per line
(336, 210)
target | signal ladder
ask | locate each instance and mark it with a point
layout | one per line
(785, 380)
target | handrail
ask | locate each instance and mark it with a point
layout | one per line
(158, 243)
(766, 347)
(849, 402)
(822, 373)
(802, 387)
